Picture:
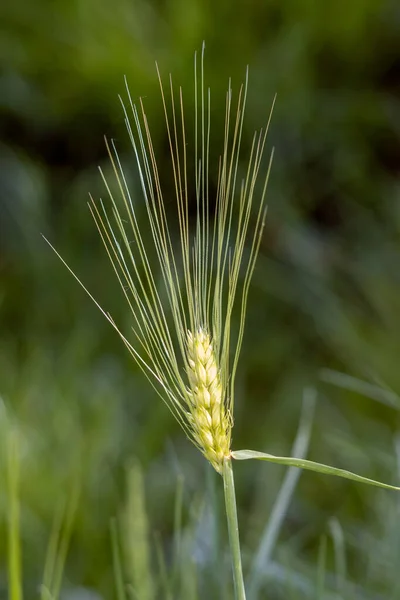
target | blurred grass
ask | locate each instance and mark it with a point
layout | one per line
(325, 292)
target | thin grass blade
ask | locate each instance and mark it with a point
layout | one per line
(310, 465)
(14, 541)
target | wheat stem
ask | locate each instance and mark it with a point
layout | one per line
(233, 528)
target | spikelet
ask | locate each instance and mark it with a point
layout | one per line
(209, 416)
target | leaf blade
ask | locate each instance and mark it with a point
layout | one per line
(309, 465)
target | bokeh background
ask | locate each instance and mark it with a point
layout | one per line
(324, 305)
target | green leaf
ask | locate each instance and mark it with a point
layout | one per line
(301, 463)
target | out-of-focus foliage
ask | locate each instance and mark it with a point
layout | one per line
(326, 291)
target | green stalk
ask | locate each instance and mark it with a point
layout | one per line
(233, 528)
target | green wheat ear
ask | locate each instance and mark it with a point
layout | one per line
(184, 344)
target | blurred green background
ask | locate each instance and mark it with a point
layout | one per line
(325, 296)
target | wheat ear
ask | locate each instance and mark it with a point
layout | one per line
(209, 415)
